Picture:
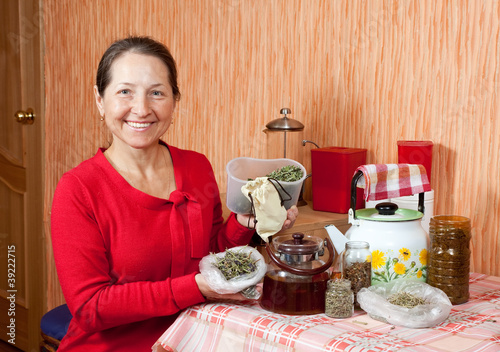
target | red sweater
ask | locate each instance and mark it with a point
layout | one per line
(126, 260)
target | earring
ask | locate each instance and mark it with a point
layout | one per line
(172, 122)
(102, 118)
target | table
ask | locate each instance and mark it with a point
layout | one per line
(472, 326)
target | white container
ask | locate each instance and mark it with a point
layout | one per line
(411, 202)
(239, 170)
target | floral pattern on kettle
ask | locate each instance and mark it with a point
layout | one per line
(405, 264)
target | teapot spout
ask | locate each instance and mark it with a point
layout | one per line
(338, 239)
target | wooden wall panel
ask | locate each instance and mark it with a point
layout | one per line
(356, 73)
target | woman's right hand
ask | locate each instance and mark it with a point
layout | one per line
(211, 295)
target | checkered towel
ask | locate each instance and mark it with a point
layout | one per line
(383, 181)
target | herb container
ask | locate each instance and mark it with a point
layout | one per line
(240, 170)
(449, 256)
(339, 299)
(356, 265)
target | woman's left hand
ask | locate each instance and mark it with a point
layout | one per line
(291, 216)
(211, 295)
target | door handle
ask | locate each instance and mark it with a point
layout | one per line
(25, 117)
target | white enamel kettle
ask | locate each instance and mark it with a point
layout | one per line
(398, 242)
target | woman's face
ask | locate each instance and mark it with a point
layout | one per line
(138, 103)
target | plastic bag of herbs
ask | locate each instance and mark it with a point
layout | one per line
(237, 269)
(406, 303)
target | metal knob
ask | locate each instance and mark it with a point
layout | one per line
(25, 117)
(285, 111)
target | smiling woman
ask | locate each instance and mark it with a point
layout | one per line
(137, 106)
(130, 225)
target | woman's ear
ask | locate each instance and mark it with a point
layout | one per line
(98, 101)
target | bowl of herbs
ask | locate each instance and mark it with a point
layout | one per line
(238, 269)
(287, 174)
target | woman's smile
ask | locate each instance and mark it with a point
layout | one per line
(138, 126)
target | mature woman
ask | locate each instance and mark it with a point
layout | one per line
(130, 225)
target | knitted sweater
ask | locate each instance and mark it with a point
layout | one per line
(126, 260)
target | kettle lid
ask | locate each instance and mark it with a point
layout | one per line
(388, 212)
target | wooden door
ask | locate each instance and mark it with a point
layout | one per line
(22, 258)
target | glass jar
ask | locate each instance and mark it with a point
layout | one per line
(449, 256)
(339, 299)
(357, 266)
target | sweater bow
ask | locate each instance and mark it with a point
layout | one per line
(185, 219)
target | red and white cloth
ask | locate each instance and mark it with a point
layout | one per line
(229, 326)
(383, 181)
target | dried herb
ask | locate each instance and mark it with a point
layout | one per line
(360, 275)
(339, 299)
(405, 299)
(235, 263)
(443, 238)
(289, 173)
(449, 259)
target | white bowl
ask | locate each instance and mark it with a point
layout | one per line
(239, 170)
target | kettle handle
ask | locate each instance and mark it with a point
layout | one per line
(303, 272)
(354, 185)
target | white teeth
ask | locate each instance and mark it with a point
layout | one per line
(138, 124)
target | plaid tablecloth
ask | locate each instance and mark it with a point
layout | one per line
(472, 326)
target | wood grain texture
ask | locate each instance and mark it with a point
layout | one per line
(356, 73)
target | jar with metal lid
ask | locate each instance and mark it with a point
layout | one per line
(339, 299)
(449, 256)
(296, 280)
(356, 265)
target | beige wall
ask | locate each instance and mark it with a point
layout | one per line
(356, 73)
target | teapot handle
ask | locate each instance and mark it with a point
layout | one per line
(303, 272)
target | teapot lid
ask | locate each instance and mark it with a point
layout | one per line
(388, 211)
(298, 245)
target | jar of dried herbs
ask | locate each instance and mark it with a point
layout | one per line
(339, 299)
(449, 256)
(357, 266)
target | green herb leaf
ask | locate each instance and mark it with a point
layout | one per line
(405, 299)
(289, 173)
(235, 263)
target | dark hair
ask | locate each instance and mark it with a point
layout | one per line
(140, 45)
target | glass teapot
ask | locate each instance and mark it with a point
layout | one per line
(297, 277)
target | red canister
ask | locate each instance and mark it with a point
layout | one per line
(332, 171)
(416, 152)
